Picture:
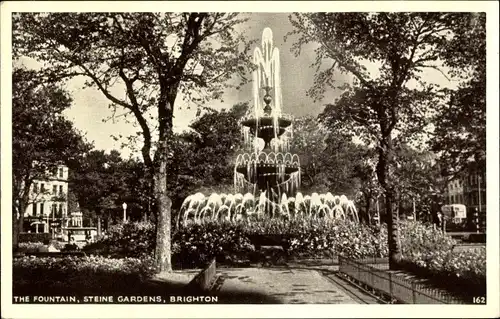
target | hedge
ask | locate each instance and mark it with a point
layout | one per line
(78, 275)
(34, 237)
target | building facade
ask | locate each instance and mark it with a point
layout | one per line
(47, 210)
(469, 190)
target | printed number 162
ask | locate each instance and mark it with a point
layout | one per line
(479, 300)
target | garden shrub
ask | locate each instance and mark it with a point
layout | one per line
(73, 275)
(32, 247)
(29, 247)
(423, 247)
(196, 244)
(129, 239)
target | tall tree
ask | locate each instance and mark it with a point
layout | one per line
(389, 104)
(42, 138)
(151, 57)
(460, 133)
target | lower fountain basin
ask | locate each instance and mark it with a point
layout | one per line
(267, 174)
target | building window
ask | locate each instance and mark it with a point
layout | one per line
(60, 211)
(61, 172)
(54, 209)
(42, 188)
(54, 190)
(60, 190)
(35, 188)
(42, 209)
(34, 209)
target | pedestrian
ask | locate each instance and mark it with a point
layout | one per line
(439, 220)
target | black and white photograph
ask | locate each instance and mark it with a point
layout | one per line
(273, 154)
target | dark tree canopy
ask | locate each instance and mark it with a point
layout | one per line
(102, 182)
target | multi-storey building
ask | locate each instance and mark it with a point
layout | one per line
(470, 190)
(47, 210)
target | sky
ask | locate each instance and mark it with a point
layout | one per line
(90, 107)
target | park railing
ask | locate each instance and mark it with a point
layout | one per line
(376, 276)
(205, 279)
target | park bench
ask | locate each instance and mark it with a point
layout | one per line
(269, 240)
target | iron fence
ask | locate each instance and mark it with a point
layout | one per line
(377, 277)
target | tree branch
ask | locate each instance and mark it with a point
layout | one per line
(337, 56)
(435, 68)
(135, 108)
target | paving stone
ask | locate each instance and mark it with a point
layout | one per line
(291, 286)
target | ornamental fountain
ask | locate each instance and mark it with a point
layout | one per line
(268, 175)
(272, 169)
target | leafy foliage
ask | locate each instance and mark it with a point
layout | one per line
(330, 162)
(129, 239)
(102, 182)
(202, 157)
(460, 133)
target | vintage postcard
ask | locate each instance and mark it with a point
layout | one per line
(250, 159)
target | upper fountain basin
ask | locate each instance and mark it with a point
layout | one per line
(266, 126)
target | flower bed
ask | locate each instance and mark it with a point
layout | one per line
(424, 248)
(429, 253)
(78, 275)
(462, 272)
(321, 238)
(199, 243)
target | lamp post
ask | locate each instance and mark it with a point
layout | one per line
(479, 191)
(414, 211)
(378, 213)
(124, 212)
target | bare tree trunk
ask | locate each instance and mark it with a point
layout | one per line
(15, 229)
(393, 231)
(163, 205)
(383, 174)
(19, 209)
